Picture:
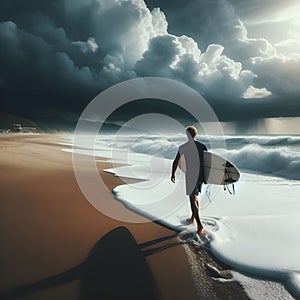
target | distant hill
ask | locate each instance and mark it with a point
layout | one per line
(7, 120)
(62, 122)
(55, 124)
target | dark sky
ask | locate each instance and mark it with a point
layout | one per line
(57, 55)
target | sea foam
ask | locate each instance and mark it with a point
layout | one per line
(254, 231)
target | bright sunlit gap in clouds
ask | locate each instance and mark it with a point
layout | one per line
(280, 27)
(290, 18)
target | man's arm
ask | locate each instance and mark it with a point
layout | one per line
(174, 166)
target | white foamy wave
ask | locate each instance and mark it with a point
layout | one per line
(275, 155)
(156, 144)
(165, 148)
(278, 161)
(263, 140)
(274, 141)
(150, 144)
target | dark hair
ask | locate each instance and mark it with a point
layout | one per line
(192, 130)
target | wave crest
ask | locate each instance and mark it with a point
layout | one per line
(281, 162)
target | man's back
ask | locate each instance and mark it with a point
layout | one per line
(192, 152)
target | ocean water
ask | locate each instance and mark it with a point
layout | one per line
(256, 231)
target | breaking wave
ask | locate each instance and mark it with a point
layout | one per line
(264, 140)
(276, 155)
(281, 162)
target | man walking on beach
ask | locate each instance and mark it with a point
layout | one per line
(192, 151)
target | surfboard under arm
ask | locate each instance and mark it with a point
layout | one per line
(217, 170)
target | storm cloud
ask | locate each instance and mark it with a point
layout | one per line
(57, 55)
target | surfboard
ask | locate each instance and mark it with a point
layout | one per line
(217, 170)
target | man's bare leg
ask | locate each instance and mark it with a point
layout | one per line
(193, 199)
(192, 218)
(195, 214)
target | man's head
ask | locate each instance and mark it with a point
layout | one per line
(191, 132)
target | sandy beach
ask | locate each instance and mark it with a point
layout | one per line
(56, 245)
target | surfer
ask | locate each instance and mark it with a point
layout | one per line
(192, 151)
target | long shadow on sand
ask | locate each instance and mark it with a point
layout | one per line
(115, 268)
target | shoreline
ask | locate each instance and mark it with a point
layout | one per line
(48, 227)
